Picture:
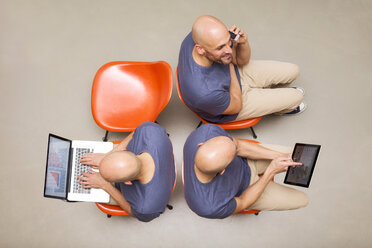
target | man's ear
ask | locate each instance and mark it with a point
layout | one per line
(200, 50)
(199, 145)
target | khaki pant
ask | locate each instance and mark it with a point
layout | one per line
(275, 196)
(265, 88)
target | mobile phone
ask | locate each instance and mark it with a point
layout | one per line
(234, 36)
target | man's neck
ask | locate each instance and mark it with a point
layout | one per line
(147, 168)
(201, 60)
(203, 177)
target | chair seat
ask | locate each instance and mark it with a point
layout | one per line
(235, 124)
(111, 209)
(126, 94)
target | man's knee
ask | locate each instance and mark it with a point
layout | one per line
(303, 200)
(293, 71)
(296, 96)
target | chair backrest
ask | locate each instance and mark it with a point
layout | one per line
(126, 94)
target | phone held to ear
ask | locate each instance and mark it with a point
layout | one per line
(234, 36)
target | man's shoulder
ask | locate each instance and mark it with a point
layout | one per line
(207, 128)
(212, 208)
(154, 129)
(187, 42)
(150, 137)
(208, 131)
(145, 217)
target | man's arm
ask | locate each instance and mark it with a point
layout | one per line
(251, 194)
(93, 179)
(235, 94)
(93, 159)
(118, 197)
(252, 150)
(242, 49)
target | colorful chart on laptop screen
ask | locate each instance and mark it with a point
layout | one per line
(57, 166)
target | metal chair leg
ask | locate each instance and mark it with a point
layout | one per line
(106, 135)
(253, 133)
(170, 207)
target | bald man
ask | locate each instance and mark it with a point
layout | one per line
(142, 170)
(221, 175)
(220, 83)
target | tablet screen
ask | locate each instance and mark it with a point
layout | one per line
(306, 154)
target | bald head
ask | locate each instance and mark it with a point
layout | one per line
(208, 30)
(215, 155)
(119, 166)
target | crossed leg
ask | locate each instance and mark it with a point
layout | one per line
(265, 88)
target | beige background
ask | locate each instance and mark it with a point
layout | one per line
(50, 51)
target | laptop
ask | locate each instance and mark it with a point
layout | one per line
(307, 154)
(63, 167)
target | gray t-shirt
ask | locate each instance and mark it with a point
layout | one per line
(214, 199)
(204, 89)
(149, 200)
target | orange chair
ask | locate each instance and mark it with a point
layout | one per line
(126, 94)
(230, 125)
(118, 211)
(246, 211)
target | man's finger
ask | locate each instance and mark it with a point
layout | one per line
(83, 183)
(82, 178)
(232, 29)
(296, 164)
(85, 174)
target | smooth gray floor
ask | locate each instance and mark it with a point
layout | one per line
(50, 51)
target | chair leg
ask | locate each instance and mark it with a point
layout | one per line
(106, 135)
(200, 123)
(256, 214)
(109, 216)
(170, 207)
(253, 133)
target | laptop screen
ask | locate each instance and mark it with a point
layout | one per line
(56, 174)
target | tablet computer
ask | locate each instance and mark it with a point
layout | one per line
(306, 154)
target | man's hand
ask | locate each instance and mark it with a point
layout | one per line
(92, 159)
(242, 50)
(243, 37)
(92, 179)
(280, 164)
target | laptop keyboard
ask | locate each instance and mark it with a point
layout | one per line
(80, 168)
